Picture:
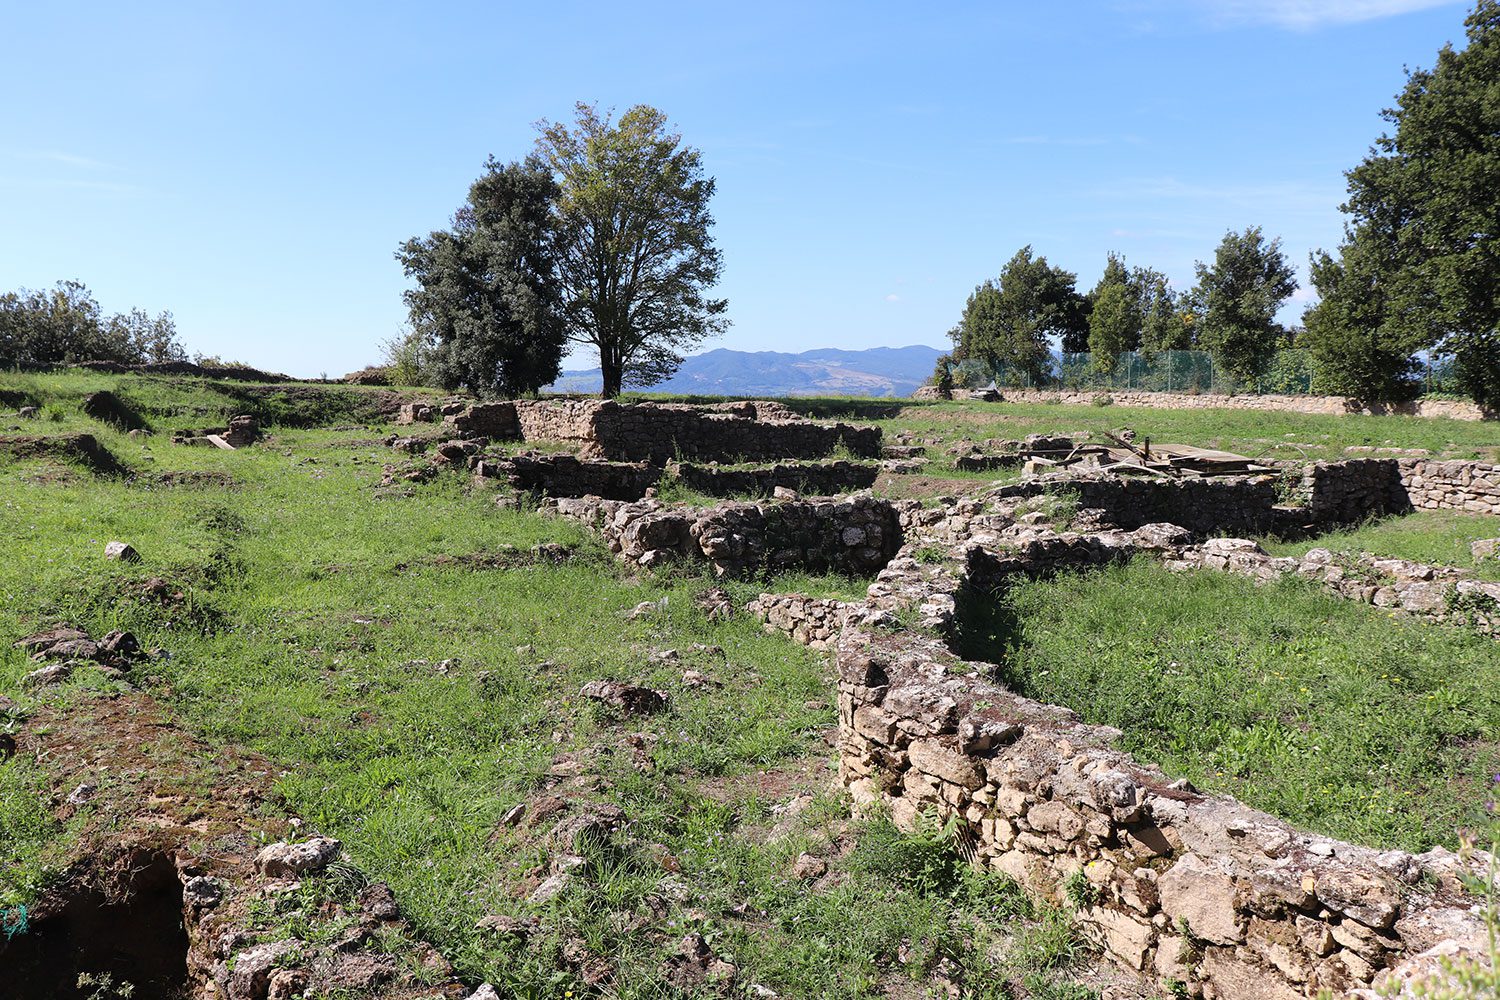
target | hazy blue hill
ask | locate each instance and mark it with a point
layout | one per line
(878, 371)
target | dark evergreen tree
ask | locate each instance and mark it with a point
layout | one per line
(487, 298)
(1420, 263)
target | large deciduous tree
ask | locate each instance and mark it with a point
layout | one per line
(487, 297)
(1236, 300)
(1008, 323)
(1421, 256)
(636, 257)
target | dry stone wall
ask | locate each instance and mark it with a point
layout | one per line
(563, 475)
(818, 478)
(855, 535)
(1208, 506)
(1347, 492)
(1173, 884)
(1431, 484)
(660, 432)
(1333, 405)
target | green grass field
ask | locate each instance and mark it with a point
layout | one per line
(411, 699)
(1333, 715)
(1440, 538)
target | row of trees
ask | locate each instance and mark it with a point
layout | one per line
(1418, 272)
(1012, 321)
(65, 324)
(600, 237)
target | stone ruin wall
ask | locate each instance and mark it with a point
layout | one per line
(1173, 884)
(661, 432)
(818, 478)
(1332, 495)
(1244, 504)
(1347, 492)
(856, 535)
(569, 476)
(1331, 405)
(1431, 484)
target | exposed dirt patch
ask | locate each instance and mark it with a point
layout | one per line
(194, 479)
(915, 487)
(164, 887)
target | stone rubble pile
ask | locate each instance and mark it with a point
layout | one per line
(1441, 593)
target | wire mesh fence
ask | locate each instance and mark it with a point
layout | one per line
(1290, 371)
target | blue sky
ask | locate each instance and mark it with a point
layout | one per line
(252, 167)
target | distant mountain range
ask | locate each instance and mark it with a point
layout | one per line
(878, 371)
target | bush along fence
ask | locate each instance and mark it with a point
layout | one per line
(1290, 372)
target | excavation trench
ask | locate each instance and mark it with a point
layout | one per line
(122, 930)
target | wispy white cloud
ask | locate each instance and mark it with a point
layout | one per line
(62, 158)
(1054, 140)
(893, 297)
(66, 183)
(1306, 15)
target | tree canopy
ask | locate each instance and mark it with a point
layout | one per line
(1008, 322)
(1236, 300)
(66, 325)
(636, 257)
(487, 294)
(1115, 317)
(1420, 262)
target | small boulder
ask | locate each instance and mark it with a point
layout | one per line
(550, 889)
(118, 643)
(201, 892)
(51, 637)
(69, 649)
(378, 901)
(1485, 548)
(632, 699)
(286, 860)
(121, 552)
(53, 673)
(809, 866)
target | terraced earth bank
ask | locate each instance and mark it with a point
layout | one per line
(323, 691)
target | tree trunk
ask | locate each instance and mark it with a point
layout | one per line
(609, 365)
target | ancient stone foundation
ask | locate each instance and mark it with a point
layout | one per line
(1175, 885)
(1209, 506)
(562, 475)
(1451, 409)
(1472, 487)
(817, 478)
(660, 432)
(855, 535)
(1178, 886)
